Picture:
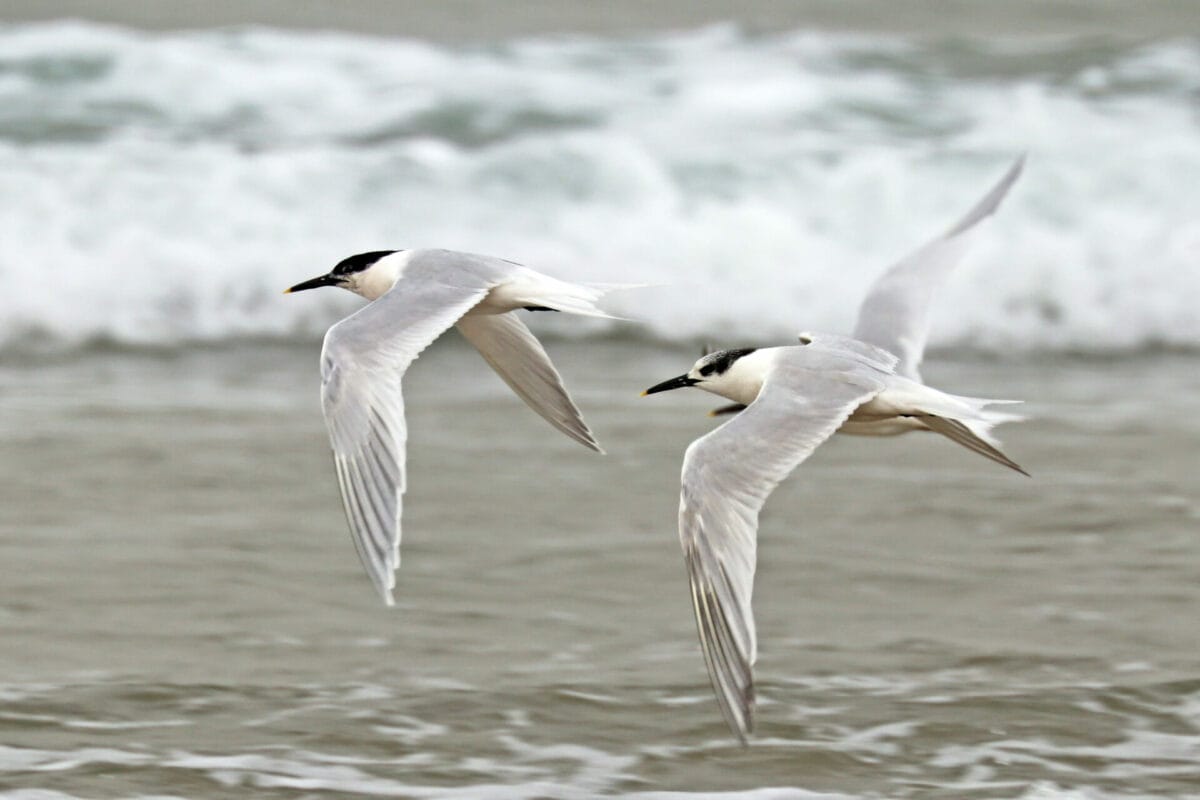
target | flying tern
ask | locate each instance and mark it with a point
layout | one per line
(416, 295)
(795, 398)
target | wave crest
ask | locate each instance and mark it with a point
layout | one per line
(164, 188)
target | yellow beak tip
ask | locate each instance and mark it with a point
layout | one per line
(643, 394)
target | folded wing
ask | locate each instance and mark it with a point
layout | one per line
(728, 475)
(895, 313)
(363, 360)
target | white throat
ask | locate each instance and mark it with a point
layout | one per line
(374, 281)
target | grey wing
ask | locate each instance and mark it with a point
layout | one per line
(895, 313)
(518, 357)
(362, 363)
(823, 348)
(727, 476)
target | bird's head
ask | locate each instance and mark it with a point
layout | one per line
(707, 373)
(367, 274)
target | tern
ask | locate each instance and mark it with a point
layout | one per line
(894, 314)
(416, 295)
(795, 398)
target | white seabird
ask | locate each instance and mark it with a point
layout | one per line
(795, 398)
(417, 295)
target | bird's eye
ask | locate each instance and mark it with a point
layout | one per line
(707, 369)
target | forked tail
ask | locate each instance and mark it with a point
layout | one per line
(579, 298)
(966, 420)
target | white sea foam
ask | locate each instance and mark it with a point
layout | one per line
(161, 188)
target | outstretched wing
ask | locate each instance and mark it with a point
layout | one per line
(518, 357)
(895, 313)
(728, 475)
(363, 360)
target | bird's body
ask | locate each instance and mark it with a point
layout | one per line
(899, 404)
(416, 295)
(898, 399)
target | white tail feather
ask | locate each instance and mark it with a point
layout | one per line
(971, 425)
(580, 298)
(982, 419)
(965, 420)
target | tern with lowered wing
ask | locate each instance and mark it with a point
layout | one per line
(795, 397)
(417, 295)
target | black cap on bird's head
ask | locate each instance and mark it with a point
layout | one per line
(339, 274)
(717, 363)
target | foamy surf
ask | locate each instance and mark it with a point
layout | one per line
(766, 179)
(965, 740)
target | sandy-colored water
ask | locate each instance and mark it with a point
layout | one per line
(182, 613)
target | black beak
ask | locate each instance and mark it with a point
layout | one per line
(674, 383)
(315, 283)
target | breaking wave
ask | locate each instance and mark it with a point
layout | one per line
(163, 188)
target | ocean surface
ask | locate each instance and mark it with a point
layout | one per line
(182, 614)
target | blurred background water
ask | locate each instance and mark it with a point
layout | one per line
(182, 613)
